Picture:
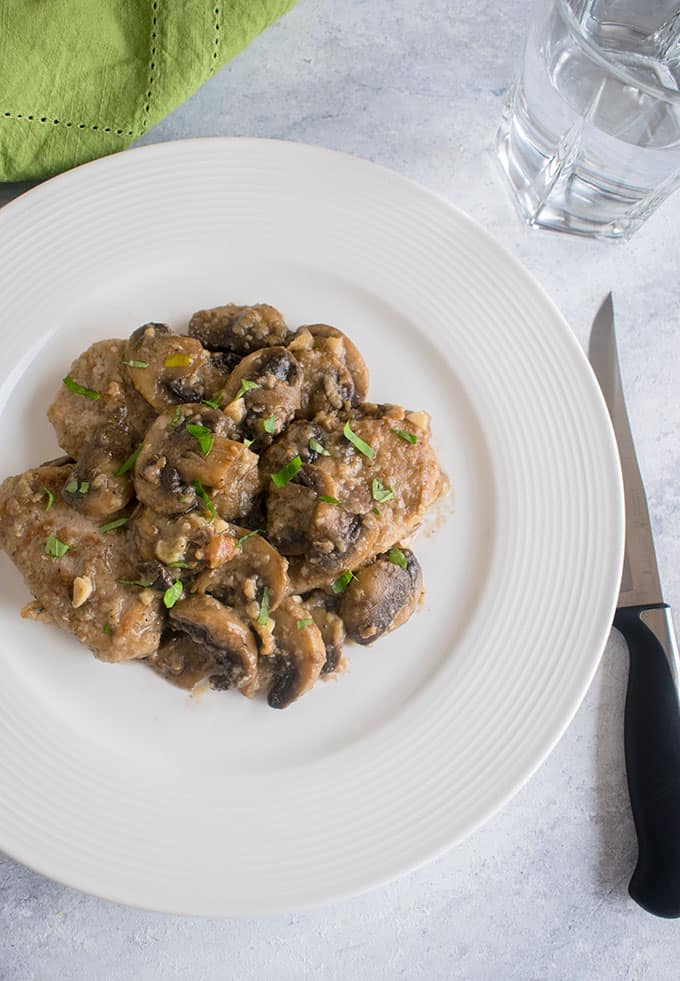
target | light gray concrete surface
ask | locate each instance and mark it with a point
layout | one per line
(540, 892)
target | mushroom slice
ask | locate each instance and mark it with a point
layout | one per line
(322, 608)
(190, 452)
(167, 369)
(381, 596)
(188, 542)
(93, 487)
(239, 330)
(264, 392)
(182, 661)
(223, 635)
(336, 376)
(300, 655)
(240, 581)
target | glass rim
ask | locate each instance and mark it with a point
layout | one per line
(599, 55)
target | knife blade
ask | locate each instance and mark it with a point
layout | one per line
(652, 712)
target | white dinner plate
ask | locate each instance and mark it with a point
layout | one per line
(119, 784)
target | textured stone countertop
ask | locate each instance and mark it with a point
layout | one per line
(540, 892)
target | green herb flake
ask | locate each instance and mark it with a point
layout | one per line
(377, 511)
(248, 442)
(329, 500)
(397, 556)
(84, 487)
(357, 442)
(177, 418)
(129, 463)
(203, 494)
(301, 624)
(286, 474)
(246, 386)
(107, 629)
(173, 593)
(379, 492)
(214, 403)
(177, 361)
(341, 584)
(50, 498)
(135, 364)
(72, 486)
(269, 424)
(79, 390)
(203, 437)
(55, 548)
(263, 615)
(316, 447)
(112, 525)
(409, 437)
(144, 583)
(181, 565)
(244, 538)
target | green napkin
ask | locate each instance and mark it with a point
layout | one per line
(82, 78)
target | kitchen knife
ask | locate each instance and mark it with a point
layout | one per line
(652, 714)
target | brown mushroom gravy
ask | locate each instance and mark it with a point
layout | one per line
(231, 508)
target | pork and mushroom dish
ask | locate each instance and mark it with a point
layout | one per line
(229, 509)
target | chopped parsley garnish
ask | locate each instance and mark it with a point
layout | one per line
(129, 463)
(263, 615)
(214, 403)
(84, 487)
(244, 538)
(301, 624)
(329, 500)
(409, 437)
(248, 442)
(55, 548)
(316, 447)
(397, 556)
(107, 629)
(203, 494)
(50, 498)
(173, 593)
(203, 437)
(80, 390)
(377, 511)
(144, 583)
(269, 424)
(286, 473)
(181, 565)
(357, 442)
(246, 386)
(73, 487)
(343, 581)
(379, 492)
(135, 364)
(177, 418)
(177, 361)
(112, 525)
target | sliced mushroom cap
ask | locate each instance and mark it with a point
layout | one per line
(240, 330)
(189, 450)
(300, 655)
(167, 369)
(335, 374)
(190, 542)
(267, 409)
(223, 634)
(323, 610)
(380, 597)
(240, 581)
(182, 661)
(92, 487)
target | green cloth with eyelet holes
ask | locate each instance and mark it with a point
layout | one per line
(83, 78)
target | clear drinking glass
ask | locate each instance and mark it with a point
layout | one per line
(590, 134)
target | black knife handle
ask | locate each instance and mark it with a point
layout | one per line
(652, 743)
